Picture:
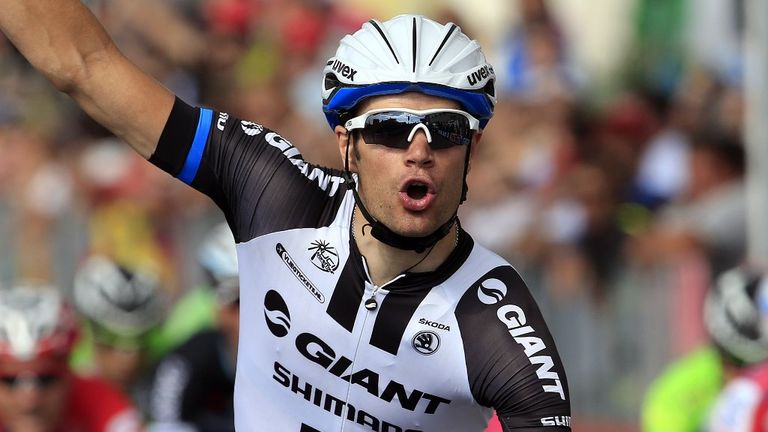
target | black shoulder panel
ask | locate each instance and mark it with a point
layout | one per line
(512, 363)
(257, 177)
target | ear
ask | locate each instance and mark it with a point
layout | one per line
(473, 148)
(344, 138)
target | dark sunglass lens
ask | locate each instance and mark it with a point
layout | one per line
(389, 128)
(42, 380)
(449, 129)
(47, 380)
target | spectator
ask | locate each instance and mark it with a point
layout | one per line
(122, 308)
(711, 216)
(734, 314)
(194, 385)
(536, 60)
(38, 392)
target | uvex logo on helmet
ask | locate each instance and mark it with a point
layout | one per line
(343, 69)
(480, 75)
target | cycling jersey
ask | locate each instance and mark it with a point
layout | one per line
(193, 386)
(680, 398)
(743, 404)
(92, 405)
(95, 406)
(437, 352)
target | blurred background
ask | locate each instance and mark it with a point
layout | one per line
(614, 175)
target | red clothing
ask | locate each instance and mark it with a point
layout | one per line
(743, 405)
(94, 406)
(494, 425)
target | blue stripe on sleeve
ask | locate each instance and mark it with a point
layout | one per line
(195, 155)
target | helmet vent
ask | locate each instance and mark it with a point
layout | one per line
(489, 89)
(331, 81)
(415, 44)
(383, 36)
(442, 44)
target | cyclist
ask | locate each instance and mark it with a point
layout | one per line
(368, 307)
(681, 398)
(742, 406)
(38, 392)
(123, 308)
(193, 385)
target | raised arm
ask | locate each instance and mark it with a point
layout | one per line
(67, 44)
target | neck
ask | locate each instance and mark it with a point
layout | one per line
(386, 262)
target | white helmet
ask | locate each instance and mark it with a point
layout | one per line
(124, 302)
(736, 315)
(217, 254)
(409, 53)
(35, 322)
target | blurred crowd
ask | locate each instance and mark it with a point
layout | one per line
(619, 200)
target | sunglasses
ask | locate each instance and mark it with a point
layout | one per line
(109, 339)
(42, 380)
(395, 127)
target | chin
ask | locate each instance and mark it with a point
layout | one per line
(35, 424)
(416, 228)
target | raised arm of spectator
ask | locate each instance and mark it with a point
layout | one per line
(67, 44)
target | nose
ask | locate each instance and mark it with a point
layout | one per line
(419, 152)
(28, 396)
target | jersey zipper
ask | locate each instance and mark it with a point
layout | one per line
(370, 301)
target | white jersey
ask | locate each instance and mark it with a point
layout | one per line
(742, 406)
(323, 349)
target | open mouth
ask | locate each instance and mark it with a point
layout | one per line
(417, 190)
(417, 194)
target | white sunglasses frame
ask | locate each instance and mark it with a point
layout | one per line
(359, 121)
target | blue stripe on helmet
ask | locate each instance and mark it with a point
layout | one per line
(195, 155)
(476, 103)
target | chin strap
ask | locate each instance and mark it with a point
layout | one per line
(464, 186)
(382, 233)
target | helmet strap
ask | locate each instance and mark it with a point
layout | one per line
(384, 234)
(464, 186)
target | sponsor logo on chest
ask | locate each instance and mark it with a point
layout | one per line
(320, 352)
(324, 256)
(298, 273)
(426, 342)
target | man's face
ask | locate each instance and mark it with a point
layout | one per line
(32, 394)
(228, 321)
(413, 190)
(118, 365)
